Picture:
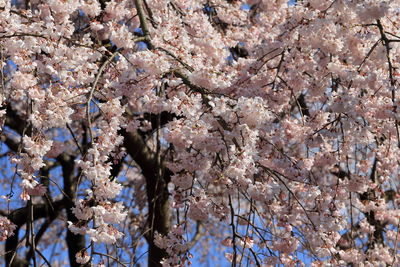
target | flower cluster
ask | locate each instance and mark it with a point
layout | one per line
(174, 244)
(98, 206)
(6, 228)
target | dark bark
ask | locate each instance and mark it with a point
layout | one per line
(11, 249)
(159, 217)
(377, 236)
(74, 242)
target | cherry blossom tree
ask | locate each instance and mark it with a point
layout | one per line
(263, 131)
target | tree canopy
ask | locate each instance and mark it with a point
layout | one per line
(262, 132)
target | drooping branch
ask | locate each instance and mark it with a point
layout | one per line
(92, 89)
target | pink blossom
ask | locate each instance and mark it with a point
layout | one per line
(227, 242)
(286, 245)
(6, 228)
(38, 190)
(105, 234)
(82, 257)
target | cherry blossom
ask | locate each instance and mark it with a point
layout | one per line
(266, 131)
(6, 228)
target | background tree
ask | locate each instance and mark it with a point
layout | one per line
(136, 129)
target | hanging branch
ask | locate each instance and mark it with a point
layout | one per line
(90, 95)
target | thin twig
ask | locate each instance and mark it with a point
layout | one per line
(368, 54)
(109, 256)
(32, 232)
(43, 257)
(233, 232)
(74, 137)
(196, 236)
(189, 68)
(90, 96)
